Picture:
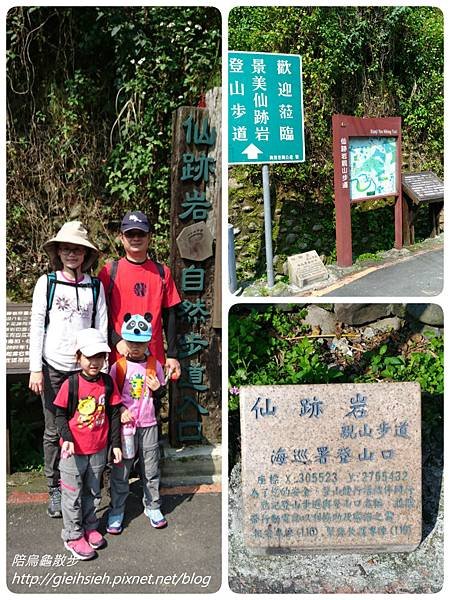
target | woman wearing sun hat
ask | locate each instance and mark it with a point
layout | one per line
(64, 302)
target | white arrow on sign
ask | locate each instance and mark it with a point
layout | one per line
(252, 151)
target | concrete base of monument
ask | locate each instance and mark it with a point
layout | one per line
(273, 550)
(191, 465)
(329, 572)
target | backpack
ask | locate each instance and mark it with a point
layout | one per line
(113, 274)
(121, 369)
(72, 401)
(51, 287)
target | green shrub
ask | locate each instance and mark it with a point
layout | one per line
(90, 96)
(425, 366)
(25, 433)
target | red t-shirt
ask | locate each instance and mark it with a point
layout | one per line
(137, 289)
(89, 425)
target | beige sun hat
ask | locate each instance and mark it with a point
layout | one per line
(72, 232)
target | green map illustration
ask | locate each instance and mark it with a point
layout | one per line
(372, 167)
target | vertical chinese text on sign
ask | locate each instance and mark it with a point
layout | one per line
(265, 108)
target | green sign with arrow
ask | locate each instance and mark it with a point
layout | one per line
(265, 108)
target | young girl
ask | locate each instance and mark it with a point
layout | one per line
(64, 302)
(87, 416)
(140, 380)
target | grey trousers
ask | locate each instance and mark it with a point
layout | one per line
(81, 477)
(146, 442)
(53, 379)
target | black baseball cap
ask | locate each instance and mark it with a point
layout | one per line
(135, 220)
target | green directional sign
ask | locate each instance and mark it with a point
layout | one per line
(265, 108)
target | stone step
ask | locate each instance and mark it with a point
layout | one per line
(191, 465)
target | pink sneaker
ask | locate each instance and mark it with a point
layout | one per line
(94, 539)
(80, 549)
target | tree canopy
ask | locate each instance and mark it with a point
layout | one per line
(90, 96)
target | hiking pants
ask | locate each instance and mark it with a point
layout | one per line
(80, 492)
(53, 379)
(146, 442)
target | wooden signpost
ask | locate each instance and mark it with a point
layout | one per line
(17, 337)
(195, 413)
(18, 318)
(367, 166)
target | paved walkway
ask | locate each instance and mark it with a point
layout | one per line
(185, 557)
(418, 275)
(413, 271)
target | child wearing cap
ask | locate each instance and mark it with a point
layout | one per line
(140, 379)
(87, 418)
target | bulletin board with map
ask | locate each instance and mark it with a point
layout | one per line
(373, 164)
(367, 165)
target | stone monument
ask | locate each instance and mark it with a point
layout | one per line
(306, 268)
(332, 467)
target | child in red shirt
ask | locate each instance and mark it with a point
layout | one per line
(87, 416)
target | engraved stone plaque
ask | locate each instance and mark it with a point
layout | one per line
(332, 467)
(306, 268)
(17, 337)
(423, 187)
(195, 242)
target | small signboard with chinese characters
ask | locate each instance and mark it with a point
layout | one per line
(17, 337)
(265, 108)
(423, 187)
(306, 268)
(332, 467)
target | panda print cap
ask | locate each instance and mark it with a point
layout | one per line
(137, 328)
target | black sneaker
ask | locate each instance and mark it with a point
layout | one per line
(54, 503)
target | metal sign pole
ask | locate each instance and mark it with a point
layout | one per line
(280, 138)
(232, 279)
(267, 224)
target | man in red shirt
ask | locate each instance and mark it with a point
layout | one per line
(137, 285)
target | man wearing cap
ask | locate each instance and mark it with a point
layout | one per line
(64, 302)
(137, 285)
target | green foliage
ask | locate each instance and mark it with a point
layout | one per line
(152, 86)
(373, 61)
(425, 366)
(264, 349)
(23, 447)
(90, 96)
(269, 346)
(23, 434)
